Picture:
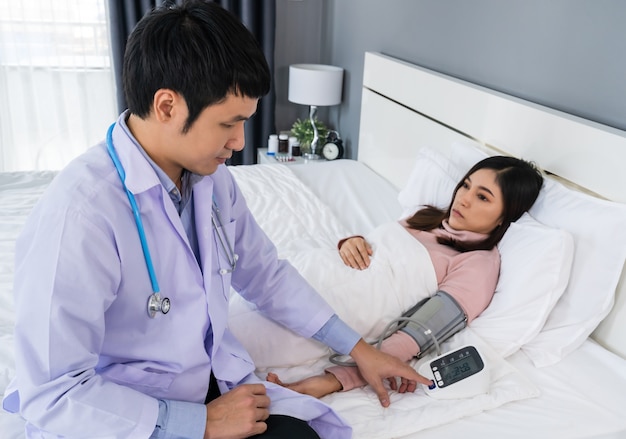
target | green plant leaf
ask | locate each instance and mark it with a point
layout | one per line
(303, 131)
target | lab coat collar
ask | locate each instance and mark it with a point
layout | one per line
(140, 176)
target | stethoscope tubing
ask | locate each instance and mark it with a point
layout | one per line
(135, 209)
(228, 249)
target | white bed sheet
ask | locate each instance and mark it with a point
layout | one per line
(583, 396)
(19, 191)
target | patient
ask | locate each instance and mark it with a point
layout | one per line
(461, 242)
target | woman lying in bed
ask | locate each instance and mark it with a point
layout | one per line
(461, 242)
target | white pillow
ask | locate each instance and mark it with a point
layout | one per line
(597, 227)
(535, 259)
(535, 267)
(431, 182)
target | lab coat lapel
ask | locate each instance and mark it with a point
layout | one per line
(174, 218)
(214, 285)
(202, 198)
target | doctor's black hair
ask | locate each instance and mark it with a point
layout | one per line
(520, 182)
(198, 50)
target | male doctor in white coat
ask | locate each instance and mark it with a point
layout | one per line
(92, 360)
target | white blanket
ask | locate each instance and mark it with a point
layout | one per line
(414, 412)
(400, 274)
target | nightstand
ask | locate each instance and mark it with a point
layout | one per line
(263, 158)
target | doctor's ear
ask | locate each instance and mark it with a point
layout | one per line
(166, 104)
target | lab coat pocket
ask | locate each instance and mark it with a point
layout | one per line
(145, 381)
(231, 363)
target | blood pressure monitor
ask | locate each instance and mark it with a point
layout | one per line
(457, 374)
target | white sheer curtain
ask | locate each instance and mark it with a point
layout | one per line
(57, 88)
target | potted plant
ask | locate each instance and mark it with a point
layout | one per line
(303, 131)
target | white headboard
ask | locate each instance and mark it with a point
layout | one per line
(406, 107)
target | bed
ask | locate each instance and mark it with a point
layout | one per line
(554, 332)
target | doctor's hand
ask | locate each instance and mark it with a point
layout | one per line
(376, 366)
(238, 414)
(355, 252)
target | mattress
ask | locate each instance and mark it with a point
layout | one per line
(583, 396)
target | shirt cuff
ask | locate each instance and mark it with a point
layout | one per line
(180, 419)
(337, 335)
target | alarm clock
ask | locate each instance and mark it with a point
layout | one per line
(458, 374)
(333, 148)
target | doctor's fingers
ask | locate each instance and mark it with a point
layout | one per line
(239, 413)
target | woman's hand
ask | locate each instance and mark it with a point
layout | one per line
(355, 252)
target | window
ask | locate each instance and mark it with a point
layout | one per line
(56, 81)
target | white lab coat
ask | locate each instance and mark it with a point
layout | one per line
(90, 362)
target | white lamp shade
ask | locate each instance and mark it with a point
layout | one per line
(315, 84)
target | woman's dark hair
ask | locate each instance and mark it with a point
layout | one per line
(199, 50)
(519, 181)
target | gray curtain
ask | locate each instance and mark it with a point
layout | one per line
(259, 16)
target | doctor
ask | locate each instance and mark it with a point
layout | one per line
(124, 268)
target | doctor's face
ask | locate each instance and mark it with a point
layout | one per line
(214, 136)
(478, 205)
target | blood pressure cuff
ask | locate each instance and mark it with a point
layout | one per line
(440, 315)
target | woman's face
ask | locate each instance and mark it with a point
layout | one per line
(478, 204)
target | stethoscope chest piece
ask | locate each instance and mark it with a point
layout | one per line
(157, 304)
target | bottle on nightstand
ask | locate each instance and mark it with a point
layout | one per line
(295, 149)
(283, 144)
(272, 144)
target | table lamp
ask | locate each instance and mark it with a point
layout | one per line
(315, 85)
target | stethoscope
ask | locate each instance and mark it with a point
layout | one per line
(156, 303)
(228, 249)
